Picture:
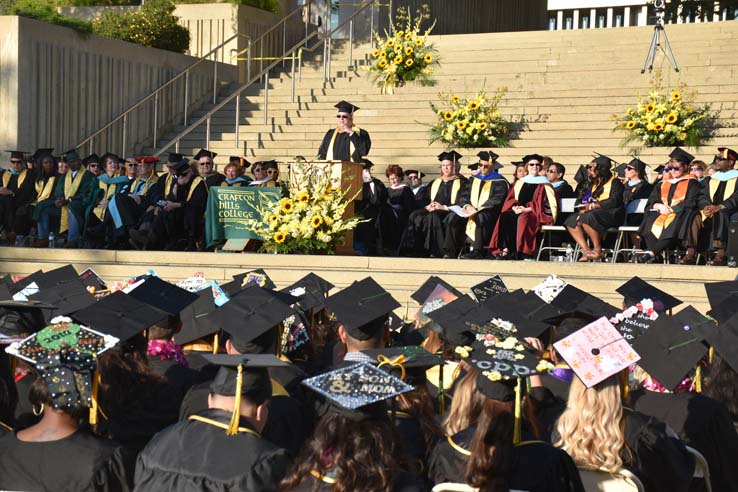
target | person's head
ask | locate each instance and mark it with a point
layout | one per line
(414, 178)
(521, 171)
(259, 171)
(265, 343)
(697, 168)
(17, 161)
(490, 463)
(394, 174)
(555, 172)
(94, 168)
(725, 159)
(271, 168)
(533, 164)
(41, 401)
(48, 166)
(590, 429)
(466, 405)
(598, 170)
(74, 163)
(720, 382)
(206, 165)
(165, 328)
(256, 388)
(62, 167)
(345, 115)
(130, 167)
(486, 167)
(111, 166)
(545, 164)
(371, 335)
(710, 170)
(675, 169)
(233, 170)
(635, 170)
(448, 168)
(144, 168)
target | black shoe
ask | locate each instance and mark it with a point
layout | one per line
(647, 258)
(473, 255)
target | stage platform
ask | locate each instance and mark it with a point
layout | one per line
(400, 276)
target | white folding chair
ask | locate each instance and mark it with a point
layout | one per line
(701, 470)
(634, 207)
(566, 206)
(603, 481)
(461, 487)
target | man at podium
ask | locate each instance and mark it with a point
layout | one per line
(346, 142)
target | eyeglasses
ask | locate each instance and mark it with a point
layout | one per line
(272, 171)
(130, 164)
(412, 176)
(534, 164)
(206, 163)
(551, 171)
(342, 116)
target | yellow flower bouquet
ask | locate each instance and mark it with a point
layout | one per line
(404, 55)
(310, 219)
(666, 117)
(474, 122)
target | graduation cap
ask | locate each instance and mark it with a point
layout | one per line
(17, 155)
(489, 288)
(473, 167)
(70, 155)
(25, 282)
(240, 160)
(451, 320)
(40, 153)
(451, 155)
(549, 288)
(357, 385)
(163, 296)
(569, 322)
(272, 164)
(636, 289)
(409, 363)
(596, 352)
(725, 153)
(602, 160)
(195, 321)
(439, 297)
(718, 292)
(92, 158)
(146, 159)
(175, 157)
(120, 315)
(21, 318)
(524, 311)
(636, 320)
(346, 107)
(581, 175)
(724, 340)
(532, 157)
(205, 153)
(681, 155)
(422, 293)
(256, 277)
(67, 297)
(725, 310)
(487, 155)
(310, 291)
(178, 167)
(408, 172)
(361, 307)
(571, 298)
(69, 377)
(620, 170)
(673, 346)
(92, 280)
(638, 165)
(66, 273)
(660, 169)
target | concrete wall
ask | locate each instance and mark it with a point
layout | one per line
(57, 87)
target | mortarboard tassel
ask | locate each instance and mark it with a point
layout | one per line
(624, 385)
(518, 399)
(216, 343)
(698, 378)
(232, 429)
(94, 405)
(280, 334)
(710, 354)
(441, 391)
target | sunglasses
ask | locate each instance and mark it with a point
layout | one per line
(206, 163)
(629, 168)
(696, 169)
(130, 165)
(551, 171)
(412, 176)
(16, 161)
(271, 171)
(534, 164)
(671, 168)
(258, 170)
(342, 116)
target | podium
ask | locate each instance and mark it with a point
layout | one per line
(346, 176)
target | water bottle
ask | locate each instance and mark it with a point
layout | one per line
(51, 240)
(569, 253)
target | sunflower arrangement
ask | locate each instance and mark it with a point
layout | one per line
(309, 220)
(474, 122)
(404, 54)
(666, 117)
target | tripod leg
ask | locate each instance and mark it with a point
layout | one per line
(666, 48)
(651, 53)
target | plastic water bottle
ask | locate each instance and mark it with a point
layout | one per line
(569, 253)
(51, 240)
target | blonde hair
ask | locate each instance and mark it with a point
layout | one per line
(590, 429)
(466, 405)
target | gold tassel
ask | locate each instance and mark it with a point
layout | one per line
(698, 378)
(216, 344)
(710, 354)
(518, 402)
(94, 403)
(232, 429)
(624, 385)
(280, 331)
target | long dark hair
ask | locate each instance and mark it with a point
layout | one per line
(720, 382)
(492, 458)
(361, 455)
(419, 404)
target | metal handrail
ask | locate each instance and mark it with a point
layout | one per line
(293, 53)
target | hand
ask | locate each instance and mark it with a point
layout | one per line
(150, 208)
(171, 206)
(518, 209)
(4, 191)
(537, 344)
(60, 202)
(135, 198)
(470, 209)
(103, 203)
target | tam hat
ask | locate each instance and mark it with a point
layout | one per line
(681, 155)
(346, 107)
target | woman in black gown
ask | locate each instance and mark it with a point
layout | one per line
(402, 201)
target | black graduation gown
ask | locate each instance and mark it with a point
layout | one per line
(362, 145)
(404, 482)
(80, 462)
(422, 196)
(179, 378)
(702, 423)
(678, 231)
(196, 456)
(724, 193)
(488, 202)
(639, 191)
(15, 211)
(402, 201)
(538, 466)
(374, 206)
(215, 179)
(563, 190)
(412, 441)
(184, 223)
(611, 212)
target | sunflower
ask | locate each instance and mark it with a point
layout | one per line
(650, 107)
(408, 36)
(676, 96)
(630, 125)
(461, 124)
(455, 99)
(273, 218)
(383, 54)
(400, 34)
(332, 190)
(287, 206)
(398, 48)
(303, 197)
(419, 42)
(375, 52)
(382, 63)
(316, 221)
(409, 62)
(428, 58)
(280, 237)
(473, 105)
(482, 126)
(397, 60)
(409, 50)
(658, 127)
(448, 116)
(671, 118)
(390, 43)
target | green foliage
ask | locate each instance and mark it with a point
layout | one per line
(45, 11)
(154, 25)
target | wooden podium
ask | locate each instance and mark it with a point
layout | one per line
(346, 176)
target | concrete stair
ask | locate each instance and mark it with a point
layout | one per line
(563, 88)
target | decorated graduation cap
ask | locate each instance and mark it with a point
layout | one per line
(439, 297)
(255, 277)
(638, 165)
(362, 308)
(93, 282)
(92, 158)
(487, 155)
(569, 322)
(450, 155)
(120, 315)
(17, 155)
(409, 363)
(310, 291)
(422, 293)
(636, 320)
(636, 289)
(69, 376)
(163, 295)
(40, 153)
(524, 310)
(242, 376)
(346, 107)
(681, 155)
(205, 153)
(724, 153)
(408, 172)
(672, 347)
(532, 157)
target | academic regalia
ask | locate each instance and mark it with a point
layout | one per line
(79, 191)
(15, 210)
(214, 179)
(79, 462)
(373, 206)
(99, 224)
(518, 233)
(199, 455)
(563, 189)
(538, 465)
(45, 186)
(179, 377)
(486, 194)
(404, 482)
(631, 193)
(610, 213)
(186, 222)
(342, 147)
(719, 189)
(402, 201)
(425, 230)
(239, 181)
(124, 211)
(422, 196)
(701, 423)
(660, 231)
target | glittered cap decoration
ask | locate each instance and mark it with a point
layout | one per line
(120, 315)
(596, 352)
(487, 155)
(356, 386)
(671, 348)
(163, 296)
(725, 153)
(346, 107)
(532, 157)
(422, 293)
(489, 288)
(205, 153)
(636, 289)
(69, 377)
(549, 288)
(360, 306)
(451, 155)
(256, 277)
(681, 155)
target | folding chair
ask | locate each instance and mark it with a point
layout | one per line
(701, 470)
(567, 206)
(461, 487)
(634, 207)
(603, 481)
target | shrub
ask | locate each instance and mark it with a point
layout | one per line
(153, 25)
(45, 11)
(268, 5)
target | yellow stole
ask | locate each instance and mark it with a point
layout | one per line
(479, 193)
(663, 221)
(215, 423)
(147, 184)
(322, 478)
(21, 178)
(605, 189)
(70, 189)
(44, 191)
(713, 186)
(553, 203)
(352, 149)
(167, 185)
(196, 182)
(436, 185)
(108, 191)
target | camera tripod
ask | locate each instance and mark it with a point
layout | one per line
(658, 33)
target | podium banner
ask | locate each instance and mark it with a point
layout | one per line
(229, 207)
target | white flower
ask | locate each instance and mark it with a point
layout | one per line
(60, 319)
